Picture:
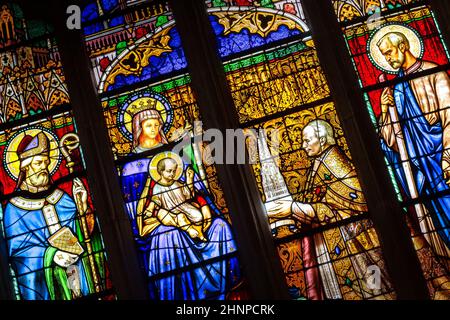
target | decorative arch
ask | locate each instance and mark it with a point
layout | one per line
(256, 21)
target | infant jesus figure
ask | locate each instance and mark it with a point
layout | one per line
(174, 201)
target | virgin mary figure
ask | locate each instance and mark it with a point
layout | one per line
(148, 131)
(166, 249)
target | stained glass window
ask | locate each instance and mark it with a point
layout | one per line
(55, 249)
(31, 76)
(403, 66)
(314, 203)
(178, 214)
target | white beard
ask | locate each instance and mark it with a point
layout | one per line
(39, 180)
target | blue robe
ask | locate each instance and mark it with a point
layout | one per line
(168, 248)
(424, 145)
(26, 234)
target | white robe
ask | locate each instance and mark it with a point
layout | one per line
(174, 199)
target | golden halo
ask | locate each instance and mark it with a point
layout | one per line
(377, 58)
(11, 159)
(169, 154)
(144, 103)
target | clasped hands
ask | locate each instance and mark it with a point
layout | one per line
(285, 208)
(281, 209)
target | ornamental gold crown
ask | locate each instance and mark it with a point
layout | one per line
(142, 105)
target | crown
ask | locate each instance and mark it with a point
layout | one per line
(142, 104)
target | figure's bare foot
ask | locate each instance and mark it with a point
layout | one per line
(192, 233)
